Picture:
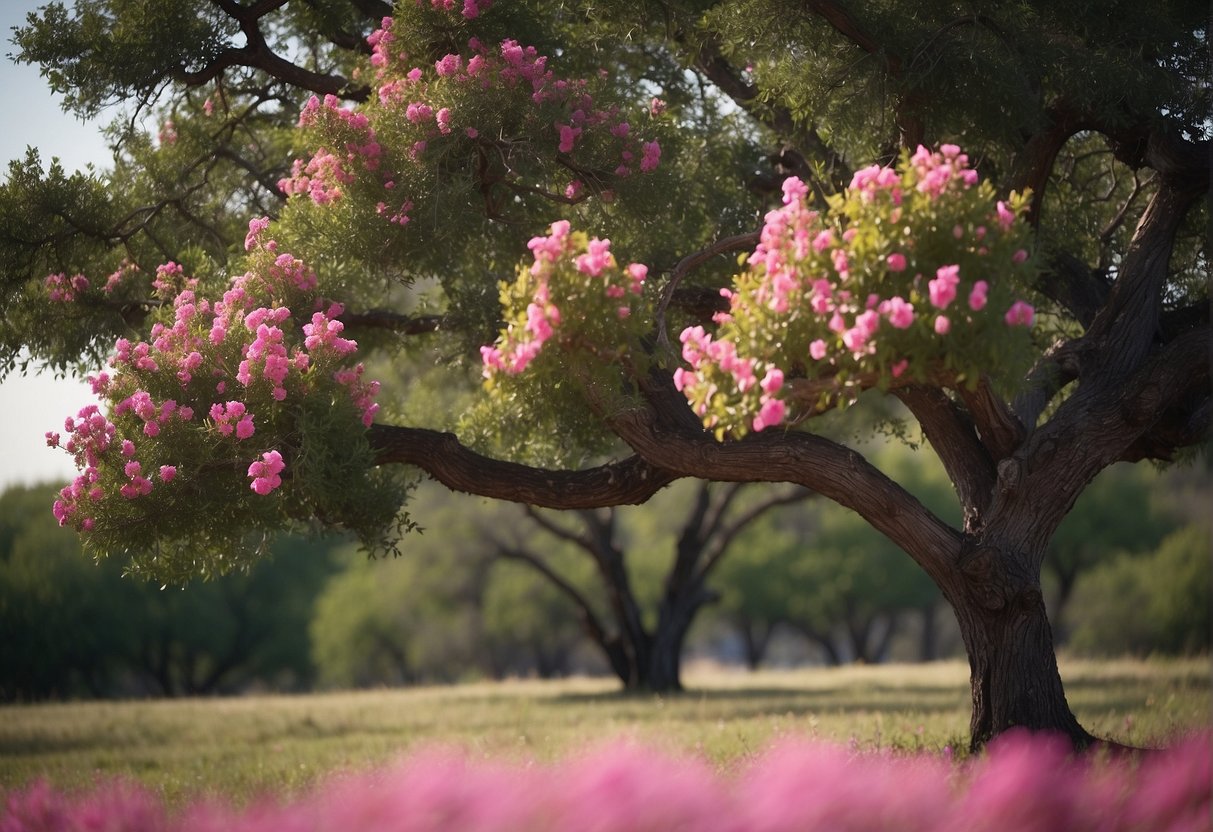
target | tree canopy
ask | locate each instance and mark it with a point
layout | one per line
(740, 215)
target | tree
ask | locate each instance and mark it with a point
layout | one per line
(647, 654)
(845, 586)
(1170, 590)
(1114, 516)
(1042, 312)
(75, 629)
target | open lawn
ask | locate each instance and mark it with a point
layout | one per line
(243, 747)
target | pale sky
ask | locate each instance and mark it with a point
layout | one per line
(32, 405)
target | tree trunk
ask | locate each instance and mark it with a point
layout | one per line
(1012, 666)
(928, 649)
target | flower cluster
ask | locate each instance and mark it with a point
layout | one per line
(592, 289)
(266, 472)
(238, 362)
(63, 289)
(422, 109)
(909, 273)
(1023, 783)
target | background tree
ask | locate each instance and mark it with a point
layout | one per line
(644, 648)
(1119, 514)
(847, 588)
(1116, 368)
(1169, 590)
(74, 628)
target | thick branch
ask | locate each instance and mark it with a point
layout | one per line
(1098, 425)
(1000, 431)
(953, 435)
(442, 456)
(834, 471)
(256, 54)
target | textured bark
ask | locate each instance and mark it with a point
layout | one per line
(1012, 665)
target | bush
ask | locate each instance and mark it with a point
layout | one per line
(1158, 603)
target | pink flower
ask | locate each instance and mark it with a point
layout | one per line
(977, 297)
(167, 472)
(1019, 256)
(652, 155)
(817, 349)
(900, 313)
(255, 227)
(942, 325)
(772, 381)
(244, 428)
(265, 472)
(900, 367)
(943, 288)
(1005, 215)
(896, 262)
(1021, 313)
(770, 414)
(568, 135)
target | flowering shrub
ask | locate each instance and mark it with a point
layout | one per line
(502, 127)
(1023, 783)
(596, 301)
(911, 273)
(234, 399)
(572, 319)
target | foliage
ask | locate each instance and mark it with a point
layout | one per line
(1023, 782)
(1170, 591)
(839, 576)
(889, 255)
(444, 610)
(74, 628)
(291, 387)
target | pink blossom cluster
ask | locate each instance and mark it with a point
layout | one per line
(119, 276)
(1022, 783)
(63, 289)
(249, 338)
(361, 392)
(429, 99)
(324, 332)
(816, 275)
(266, 355)
(549, 275)
(170, 279)
(266, 472)
(232, 418)
(758, 394)
(153, 416)
(326, 174)
(91, 436)
(938, 171)
(471, 8)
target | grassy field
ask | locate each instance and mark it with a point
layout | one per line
(249, 746)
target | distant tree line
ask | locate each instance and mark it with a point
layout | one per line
(500, 593)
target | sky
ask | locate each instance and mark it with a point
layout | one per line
(36, 403)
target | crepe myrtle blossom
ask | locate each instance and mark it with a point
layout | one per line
(265, 472)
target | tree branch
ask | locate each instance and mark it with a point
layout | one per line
(443, 457)
(953, 435)
(659, 435)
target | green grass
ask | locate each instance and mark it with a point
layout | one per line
(249, 746)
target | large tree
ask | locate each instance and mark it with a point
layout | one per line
(668, 127)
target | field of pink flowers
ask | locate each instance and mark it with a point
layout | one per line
(1022, 783)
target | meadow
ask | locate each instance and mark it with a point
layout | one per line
(239, 749)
